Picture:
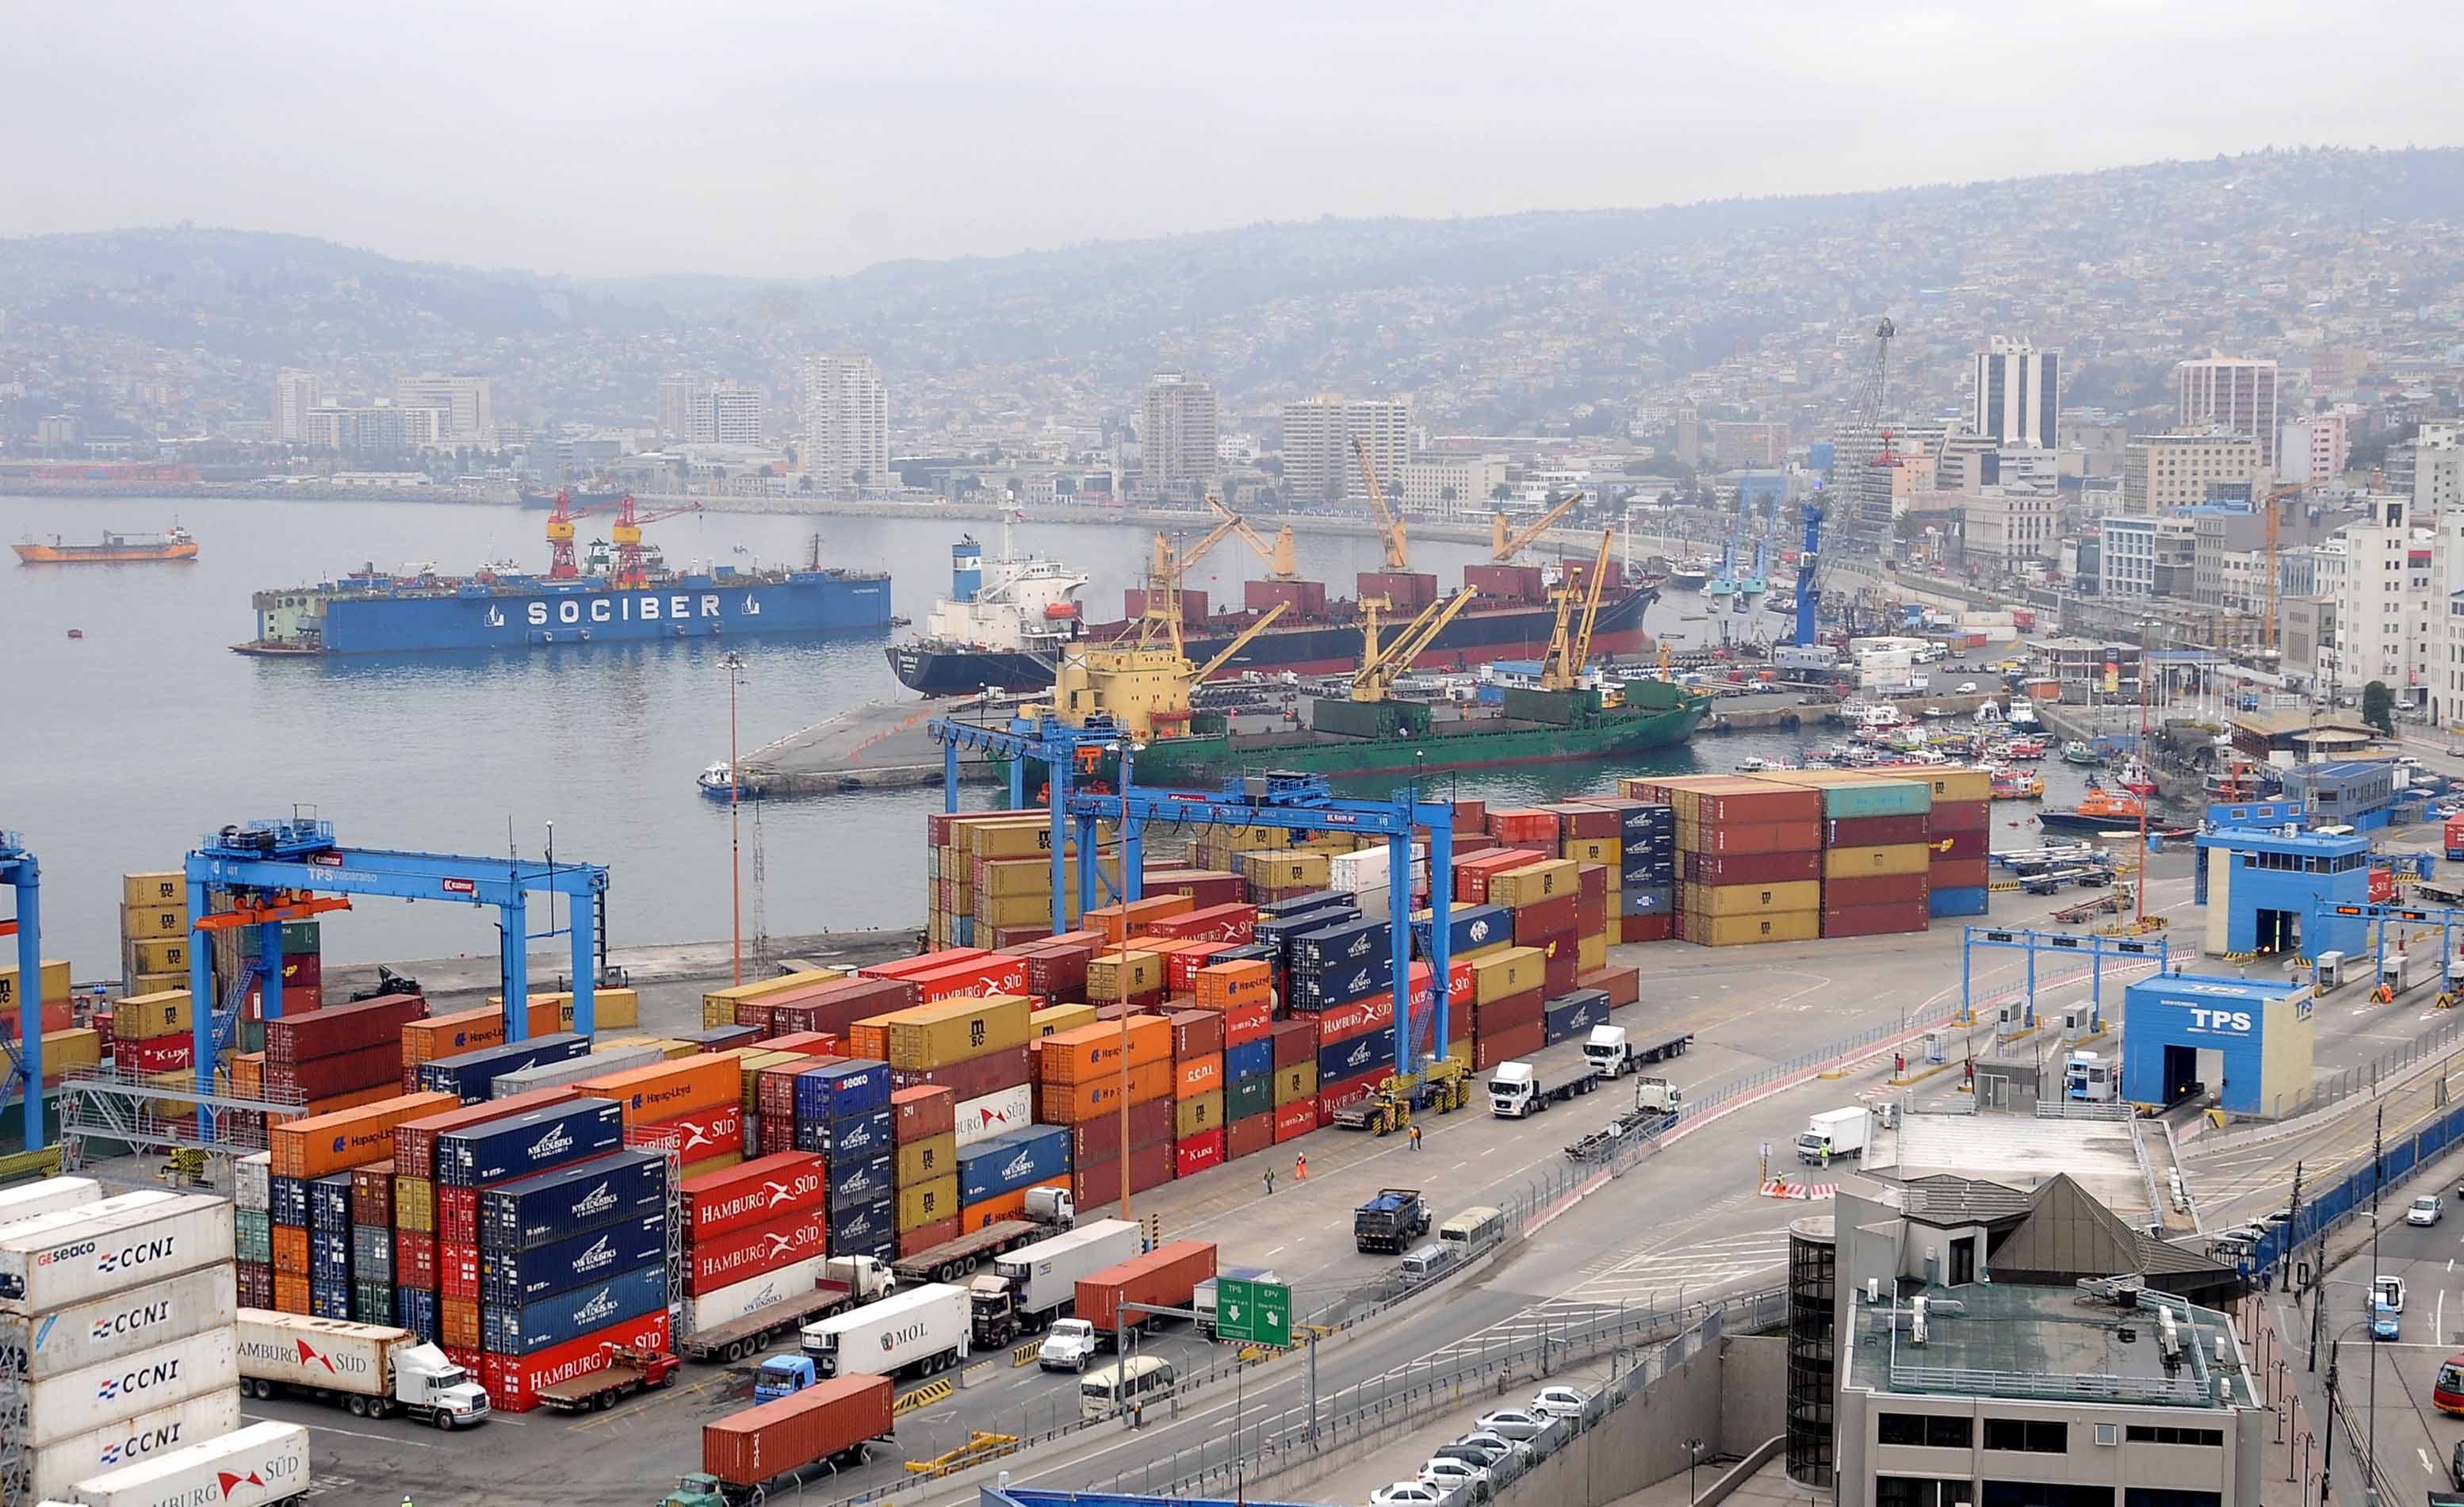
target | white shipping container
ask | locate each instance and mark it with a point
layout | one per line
(107, 1328)
(57, 1467)
(1002, 1110)
(737, 1299)
(887, 1336)
(331, 1353)
(253, 1182)
(52, 1194)
(79, 1401)
(592, 1064)
(51, 1268)
(271, 1459)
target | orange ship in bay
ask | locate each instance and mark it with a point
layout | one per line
(115, 549)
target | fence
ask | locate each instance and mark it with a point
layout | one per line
(2322, 1212)
(2367, 1078)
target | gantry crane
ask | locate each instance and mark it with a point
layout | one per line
(1381, 663)
(561, 565)
(1280, 557)
(1504, 542)
(1561, 668)
(627, 535)
(1398, 555)
(1814, 560)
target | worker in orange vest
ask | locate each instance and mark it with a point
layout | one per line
(1300, 1166)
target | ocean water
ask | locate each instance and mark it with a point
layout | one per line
(123, 747)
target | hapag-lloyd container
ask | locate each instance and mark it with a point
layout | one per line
(107, 1328)
(554, 1205)
(756, 1192)
(59, 1466)
(530, 1143)
(993, 1114)
(661, 1091)
(76, 1402)
(743, 1255)
(570, 1316)
(49, 1266)
(262, 1462)
(514, 1382)
(1004, 1163)
(512, 1278)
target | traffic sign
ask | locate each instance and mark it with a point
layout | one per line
(1253, 1312)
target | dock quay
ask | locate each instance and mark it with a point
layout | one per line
(880, 745)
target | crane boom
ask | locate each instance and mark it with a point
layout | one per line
(1506, 542)
(1562, 668)
(1279, 558)
(1240, 642)
(1381, 666)
(1398, 555)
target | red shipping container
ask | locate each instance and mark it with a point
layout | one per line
(1248, 1022)
(1543, 918)
(457, 1270)
(759, 1192)
(372, 1194)
(696, 1137)
(1197, 1153)
(1592, 882)
(1099, 1140)
(1868, 921)
(1851, 832)
(1623, 985)
(756, 1014)
(1523, 824)
(1879, 890)
(1583, 819)
(1662, 927)
(921, 963)
(1758, 837)
(414, 1141)
(1150, 1167)
(1960, 873)
(774, 1090)
(1507, 1012)
(1295, 1042)
(1488, 1051)
(838, 1004)
(777, 1136)
(322, 1077)
(514, 1382)
(972, 1078)
(1180, 966)
(1058, 970)
(1196, 1034)
(1472, 816)
(1296, 1119)
(306, 999)
(164, 1053)
(1749, 868)
(1228, 923)
(1246, 1137)
(414, 1260)
(924, 1237)
(343, 1028)
(811, 1043)
(1591, 915)
(457, 1215)
(1955, 845)
(1962, 816)
(255, 1281)
(1359, 1018)
(741, 1256)
(1204, 888)
(922, 1112)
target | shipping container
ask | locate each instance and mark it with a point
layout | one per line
(1839, 863)
(1013, 1160)
(1295, 1042)
(1295, 1118)
(55, 1470)
(515, 1383)
(1067, 1104)
(1099, 1140)
(414, 1141)
(922, 1112)
(104, 1329)
(1164, 1277)
(1793, 926)
(569, 1315)
(923, 1160)
(533, 1141)
(739, 1256)
(854, 1184)
(271, 1459)
(342, 1028)
(971, 1078)
(1866, 921)
(841, 1090)
(1150, 1167)
(512, 1278)
(53, 1260)
(536, 1210)
(471, 1074)
(1096, 1052)
(835, 1421)
(1957, 900)
(931, 1201)
(1194, 1116)
(993, 1114)
(74, 1402)
(857, 1138)
(754, 1192)
(866, 1230)
(663, 1091)
(1751, 868)
(1708, 901)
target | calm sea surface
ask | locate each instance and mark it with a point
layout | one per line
(122, 748)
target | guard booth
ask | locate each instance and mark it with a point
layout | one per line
(2262, 886)
(2248, 1041)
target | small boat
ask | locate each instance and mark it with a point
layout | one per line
(2133, 777)
(2019, 785)
(2102, 810)
(1987, 714)
(1759, 765)
(2023, 713)
(2239, 781)
(716, 784)
(1692, 574)
(2077, 752)
(76, 633)
(2025, 749)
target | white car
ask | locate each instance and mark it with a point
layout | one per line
(1513, 1423)
(1498, 1446)
(1413, 1493)
(1449, 1473)
(2387, 1292)
(1966, 688)
(1561, 1402)
(2426, 1209)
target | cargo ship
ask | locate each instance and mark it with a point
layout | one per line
(174, 543)
(1006, 622)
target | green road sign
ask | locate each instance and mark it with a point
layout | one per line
(1254, 1313)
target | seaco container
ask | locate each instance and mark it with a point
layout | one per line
(473, 1074)
(756, 1193)
(64, 1258)
(1011, 1160)
(554, 1205)
(512, 1278)
(528, 1143)
(103, 1329)
(570, 1315)
(833, 1417)
(843, 1090)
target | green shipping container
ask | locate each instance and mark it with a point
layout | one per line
(1556, 707)
(1369, 719)
(1250, 1095)
(1897, 798)
(299, 939)
(1651, 695)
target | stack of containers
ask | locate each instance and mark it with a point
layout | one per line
(1349, 959)
(945, 1038)
(1241, 994)
(1197, 1049)
(1642, 892)
(694, 1106)
(1505, 1006)
(1355, 1051)
(153, 1033)
(923, 1137)
(234, 953)
(341, 1058)
(471, 1161)
(372, 1253)
(566, 1260)
(750, 1234)
(154, 932)
(995, 1172)
(1295, 1052)
(118, 1314)
(470, 1030)
(725, 1007)
(1749, 858)
(318, 1147)
(843, 1112)
(1963, 838)
(416, 1300)
(1086, 1076)
(252, 1228)
(471, 1074)
(1877, 853)
(54, 1021)
(329, 1246)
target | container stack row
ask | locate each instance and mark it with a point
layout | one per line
(1963, 837)
(1876, 850)
(154, 932)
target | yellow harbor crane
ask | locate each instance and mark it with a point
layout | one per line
(1381, 663)
(1398, 555)
(1506, 541)
(1561, 668)
(1165, 569)
(1280, 557)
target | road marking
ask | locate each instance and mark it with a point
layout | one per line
(326, 1427)
(1272, 1253)
(1491, 1151)
(2425, 1460)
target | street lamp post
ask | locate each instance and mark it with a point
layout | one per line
(1693, 1457)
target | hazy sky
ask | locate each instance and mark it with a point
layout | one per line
(801, 139)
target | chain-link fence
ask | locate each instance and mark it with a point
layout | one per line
(2367, 1076)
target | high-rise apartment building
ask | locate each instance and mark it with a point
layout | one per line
(1318, 461)
(2234, 393)
(847, 421)
(695, 411)
(2161, 472)
(1736, 445)
(294, 395)
(465, 398)
(1177, 436)
(1450, 486)
(676, 393)
(2018, 394)
(2384, 613)
(2315, 448)
(1689, 435)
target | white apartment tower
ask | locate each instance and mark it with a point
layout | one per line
(294, 394)
(464, 398)
(1318, 461)
(2234, 393)
(2314, 449)
(2018, 394)
(847, 421)
(1178, 433)
(676, 394)
(2384, 608)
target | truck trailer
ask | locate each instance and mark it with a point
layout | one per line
(370, 1368)
(832, 1424)
(916, 1332)
(1031, 1287)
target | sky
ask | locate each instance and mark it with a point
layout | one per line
(806, 140)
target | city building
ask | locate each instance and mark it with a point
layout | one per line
(2231, 393)
(2437, 471)
(2018, 394)
(382, 429)
(1177, 437)
(2313, 450)
(1448, 486)
(1689, 435)
(2163, 473)
(695, 411)
(295, 393)
(2127, 556)
(2305, 629)
(2008, 525)
(465, 398)
(1318, 461)
(1737, 447)
(2224, 538)
(676, 393)
(2384, 610)
(846, 421)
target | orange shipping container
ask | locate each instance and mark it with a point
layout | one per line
(1119, 923)
(869, 1037)
(1008, 1206)
(1093, 1052)
(470, 1030)
(664, 1090)
(291, 1249)
(335, 1142)
(1223, 985)
(1072, 1104)
(1198, 1075)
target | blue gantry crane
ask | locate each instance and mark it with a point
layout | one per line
(24, 1044)
(1809, 574)
(1069, 753)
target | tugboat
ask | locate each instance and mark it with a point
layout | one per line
(2102, 810)
(2076, 752)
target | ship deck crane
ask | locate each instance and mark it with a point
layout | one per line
(1506, 541)
(1280, 557)
(1390, 528)
(1164, 571)
(1381, 665)
(1240, 642)
(627, 536)
(1561, 668)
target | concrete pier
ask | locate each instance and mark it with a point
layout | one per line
(881, 745)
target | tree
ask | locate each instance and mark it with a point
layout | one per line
(1500, 493)
(2378, 704)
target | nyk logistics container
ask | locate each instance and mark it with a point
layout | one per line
(510, 1279)
(414, 1141)
(835, 1420)
(64, 1258)
(553, 1205)
(533, 1141)
(922, 1329)
(57, 1467)
(599, 1063)
(89, 1332)
(1015, 1159)
(756, 1192)
(570, 1315)
(709, 1310)
(853, 1183)
(473, 1074)
(271, 1459)
(73, 1403)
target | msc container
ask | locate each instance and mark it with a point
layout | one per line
(270, 1458)
(756, 1193)
(1708, 901)
(572, 1070)
(160, 1376)
(921, 1330)
(1789, 926)
(512, 1278)
(1164, 1277)
(843, 1090)
(834, 1421)
(532, 1142)
(72, 1256)
(107, 1328)
(743, 1255)
(473, 1074)
(952, 1031)
(569, 1315)
(56, 1468)
(552, 1205)
(1911, 857)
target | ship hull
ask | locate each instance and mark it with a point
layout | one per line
(2074, 821)
(1473, 639)
(500, 619)
(102, 555)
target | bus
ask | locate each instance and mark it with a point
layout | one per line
(1472, 1231)
(1123, 1384)
(2447, 1395)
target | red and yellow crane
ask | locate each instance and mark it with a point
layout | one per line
(627, 536)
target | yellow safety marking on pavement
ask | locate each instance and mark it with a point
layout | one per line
(923, 1396)
(979, 1448)
(45, 1163)
(1024, 1354)
(1919, 1078)
(2003, 886)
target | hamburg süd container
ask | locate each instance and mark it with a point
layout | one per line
(739, 1256)
(754, 1192)
(271, 1459)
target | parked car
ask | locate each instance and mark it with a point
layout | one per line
(1966, 688)
(1448, 1471)
(2456, 1465)
(1504, 1463)
(2425, 1209)
(1565, 1401)
(1416, 1494)
(1498, 1447)
(1513, 1423)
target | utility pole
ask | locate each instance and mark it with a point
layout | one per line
(2292, 1223)
(2378, 1180)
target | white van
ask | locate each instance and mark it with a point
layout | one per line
(1108, 1390)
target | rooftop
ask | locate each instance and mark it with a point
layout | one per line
(2053, 1344)
(2020, 1152)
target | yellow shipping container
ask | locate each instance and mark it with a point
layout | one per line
(1021, 878)
(1197, 1116)
(1961, 784)
(610, 1008)
(1058, 1017)
(1613, 936)
(161, 954)
(1594, 850)
(1591, 951)
(55, 980)
(150, 890)
(1789, 926)
(1866, 863)
(922, 1161)
(928, 1203)
(719, 1006)
(1290, 870)
(72, 1051)
(1544, 879)
(156, 983)
(1125, 975)
(138, 921)
(1017, 910)
(671, 1051)
(1015, 837)
(1747, 899)
(142, 1017)
(1296, 1082)
(957, 1031)
(1509, 971)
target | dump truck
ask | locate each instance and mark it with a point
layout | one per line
(849, 1281)
(372, 1369)
(955, 1260)
(1389, 1223)
(831, 1426)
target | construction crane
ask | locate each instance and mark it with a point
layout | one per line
(1504, 542)
(1813, 559)
(1561, 668)
(627, 535)
(2274, 567)
(1381, 665)
(1398, 555)
(1280, 557)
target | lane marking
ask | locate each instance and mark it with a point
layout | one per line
(326, 1427)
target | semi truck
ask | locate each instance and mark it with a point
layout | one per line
(1389, 1223)
(918, 1332)
(833, 1425)
(1048, 1209)
(369, 1368)
(1031, 1287)
(1520, 1090)
(1837, 1132)
(1122, 1295)
(1615, 1051)
(629, 1369)
(849, 1281)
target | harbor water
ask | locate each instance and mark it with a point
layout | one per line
(127, 743)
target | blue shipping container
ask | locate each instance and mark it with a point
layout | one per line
(554, 1205)
(1467, 927)
(570, 1316)
(1250, 1059)
(1573, 1015)
(1967, 900)
(415, 1310)
(1332, 948)
(861, 1230)
(469, 1074)
(1635, 870)
(1371, 1053)
(1315, 992)
(1647, 900)
(865, 1182)
(329, 1202)
(858, 1138)
(512, 1278)
(843, 1090)
(329, 1255)
(1012, 1160)
(288, 1201)
(1315, 901)
(529, 1143)
(1647, 825)
(330, 1299)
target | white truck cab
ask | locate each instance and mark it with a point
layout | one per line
(1609, 1052)
(1067, 1348)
